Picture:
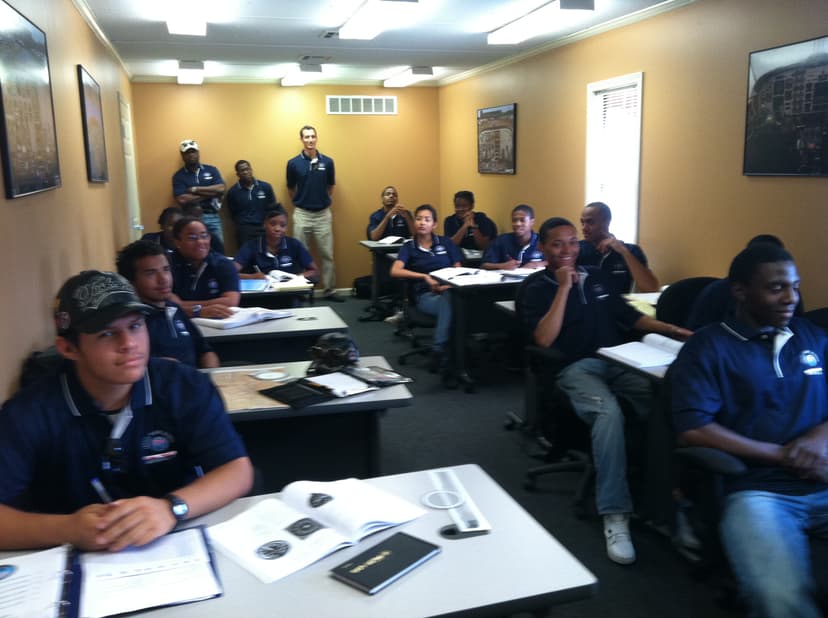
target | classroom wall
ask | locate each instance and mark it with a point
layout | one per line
(697, 210)
(46, 237)
(261, 122)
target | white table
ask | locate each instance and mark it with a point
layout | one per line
(519, 566)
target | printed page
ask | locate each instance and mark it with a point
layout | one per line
(390, 240)
(663, 343)
(638, 354)
(341, 384)
(352, 506)
(31, 585)
(173, 569)
(272, 540)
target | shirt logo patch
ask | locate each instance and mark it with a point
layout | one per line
(260, 195)
(810, 363)
(285, 260)
(600, 292)
(439, 250)
(208, 176)
(213, 286)
(156, 447)
(181, 327)
(536, 256)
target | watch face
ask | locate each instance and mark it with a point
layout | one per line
(178, 506)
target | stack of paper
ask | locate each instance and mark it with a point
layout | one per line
(652, 351)
(242, 316)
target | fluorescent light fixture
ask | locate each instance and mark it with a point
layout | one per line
(546, 19)
(409, 76)
(187, 25)
(302, 74)
(375, 16)
(190, 72)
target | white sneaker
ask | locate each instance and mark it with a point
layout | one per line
(395, 319)
(619, 542)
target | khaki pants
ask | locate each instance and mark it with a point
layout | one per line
(308, 224)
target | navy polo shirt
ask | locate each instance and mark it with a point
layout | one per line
(172, 335)
(442, 254)
(311, 180)
(397, 226)
(204, 175)
(53, 439)
(486, 225)
(216, 275)
(506, 247)
(292, 256)
(612, 263)
(594, 314)
(248, 204)
(766, 384)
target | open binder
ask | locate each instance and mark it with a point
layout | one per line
(65, 583)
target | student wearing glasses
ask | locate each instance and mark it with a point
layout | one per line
(520, 248)
(205, 283)
(117, 448)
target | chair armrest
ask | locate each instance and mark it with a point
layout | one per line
(712, 459)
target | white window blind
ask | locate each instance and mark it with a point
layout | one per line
(614, 150)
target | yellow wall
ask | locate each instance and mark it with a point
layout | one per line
(46, 237)
(261, 123)
(697, 210)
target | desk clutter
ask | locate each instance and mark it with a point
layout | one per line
(243, 316)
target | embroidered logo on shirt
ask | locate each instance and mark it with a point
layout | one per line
(213, 286)
(439, 250)
(261, 195)
(181, 327)
(600, 292)
(810, 361)
(208, 176)
(155, 447)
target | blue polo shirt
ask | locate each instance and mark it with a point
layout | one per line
(248, 204)
(766, 384)
(53, 439)
(594, 316)
(311, 180)
(506, 247)
(172, 335)
(216, 275)
(204, 175)
(487, 227)
(612, 264)
(397, 226)
(292, 256)
(442, 254)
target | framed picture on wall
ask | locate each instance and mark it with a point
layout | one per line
(496, 139)
(93, 127)
(786, 131)
(27, 132)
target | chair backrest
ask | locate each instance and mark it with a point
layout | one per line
(676, 301)
(818, 317)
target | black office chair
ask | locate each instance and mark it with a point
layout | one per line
(676, 301)
(412, 322)
(818, 317)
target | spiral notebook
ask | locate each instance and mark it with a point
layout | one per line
(64, 583)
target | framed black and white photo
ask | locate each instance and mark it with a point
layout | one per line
(93, 127)
(496, 139)
(28, 138)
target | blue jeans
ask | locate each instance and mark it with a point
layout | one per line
(212, 221)
(438, 305)
(765, 535)
(592, 385)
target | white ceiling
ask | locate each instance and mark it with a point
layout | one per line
(257, 40)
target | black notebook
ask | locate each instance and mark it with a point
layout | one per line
(385, 562)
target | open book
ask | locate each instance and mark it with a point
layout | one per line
(243, 316)
(461, 275)
(391, 240)
(652, 351)
(285, 281)
(277, 537)
(517, 273)
(176, 568)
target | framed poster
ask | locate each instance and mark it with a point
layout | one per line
(496, 139)
(27, 137)
(93, 128)
(786, 130)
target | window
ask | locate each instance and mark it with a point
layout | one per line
(614, 150)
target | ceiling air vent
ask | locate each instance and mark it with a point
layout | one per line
(361, 105)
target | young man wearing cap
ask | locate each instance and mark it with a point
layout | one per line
(199, 184)
(310, 183)
(117, 448)
(146, 266)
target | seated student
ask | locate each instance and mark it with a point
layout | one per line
(467, 228)
(518, 249)
(152, 433)
(146, 266)
(275, 251)
(754, 386)
(166, 220)
(575, 310)
(205, 283)
(625, 263)
(715, 302)
(419, 256)
(393, 219)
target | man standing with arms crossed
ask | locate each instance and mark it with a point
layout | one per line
(310, 182)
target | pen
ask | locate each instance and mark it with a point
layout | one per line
(256, 268)
(101, 490)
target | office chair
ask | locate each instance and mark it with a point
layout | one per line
(412, 320)
(818, 317)
(676, 301)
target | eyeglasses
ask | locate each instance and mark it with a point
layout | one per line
(113, 459)
(196, 237)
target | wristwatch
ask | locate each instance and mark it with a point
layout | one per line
(196, 310)
(193, 189)
(178, 507)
